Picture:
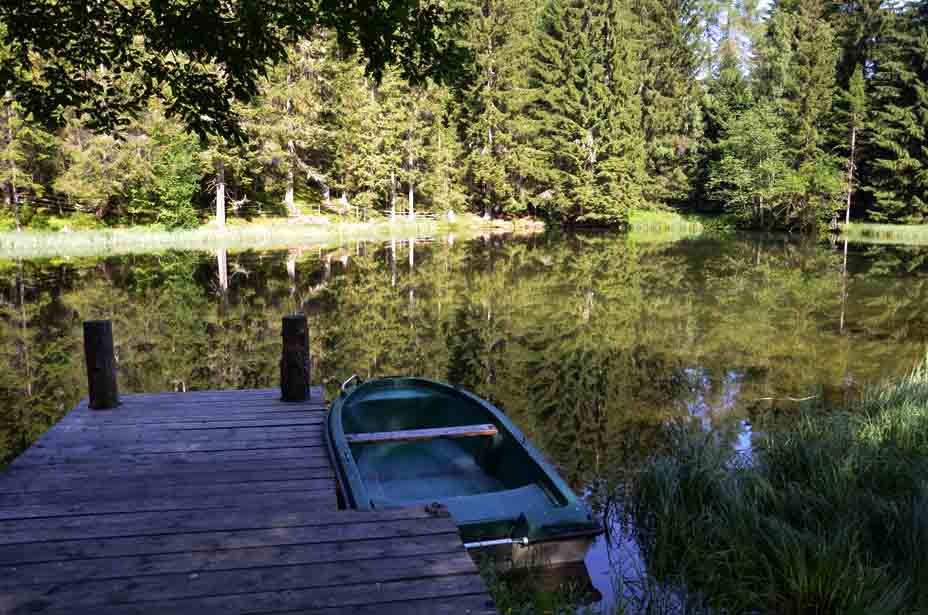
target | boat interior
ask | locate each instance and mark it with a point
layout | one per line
(494, 469)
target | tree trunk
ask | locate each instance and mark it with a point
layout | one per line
(488, 210)
(392, 195)
(288, 198)
(14, 196)
(412, 198)
(220, 193)
(850, 177)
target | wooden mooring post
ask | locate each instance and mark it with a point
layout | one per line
(100, 355)
(294, 360)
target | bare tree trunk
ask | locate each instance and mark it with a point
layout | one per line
(488, 211)
(411, 162)
(220, 193)
(412, 193)
(392, 195)
(14, 196)
(850, 180)
(288, 198)
(291, 151)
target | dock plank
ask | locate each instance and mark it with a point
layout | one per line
(458, 595)
(227, 559)
(24, 480)
(245, 580)
(212, 502)
(61, 551)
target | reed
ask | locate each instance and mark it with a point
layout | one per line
(907, 234)
(273, 234)
(662, 225)
(829, 517)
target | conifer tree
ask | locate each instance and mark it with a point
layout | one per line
(897, 168)
(443, 179)
(858, 26)
(671, 55)
(497, 36)
(23, 148)
(587, 111)
(289, 124)
(853, 112)
(796, 74)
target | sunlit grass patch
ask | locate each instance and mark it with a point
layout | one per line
(829, 517)
(660, 225)
(266, 234)
(914, 234)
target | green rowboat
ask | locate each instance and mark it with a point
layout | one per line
(400, 442)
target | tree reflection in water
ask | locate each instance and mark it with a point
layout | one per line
(595, 345)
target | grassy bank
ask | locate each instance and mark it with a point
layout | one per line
(270, 233)
(914, 234)
(663, 223)
(65, 240)
(829, 517)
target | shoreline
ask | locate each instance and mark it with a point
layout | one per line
(276, 233)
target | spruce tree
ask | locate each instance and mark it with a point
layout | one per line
(796, 74)
(496, 35)
(858, 26)
(671, 55)
(852, 117)
(587, 112)
(289, 125)
(896, 172)
(23, 149)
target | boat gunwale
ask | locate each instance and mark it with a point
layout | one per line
(349, 476)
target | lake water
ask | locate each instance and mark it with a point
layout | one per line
(593, 344)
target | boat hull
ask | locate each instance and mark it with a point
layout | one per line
(545, 554)
(495, 488)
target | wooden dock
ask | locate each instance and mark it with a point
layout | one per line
(212, 502)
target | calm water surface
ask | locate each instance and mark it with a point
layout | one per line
(593, 344)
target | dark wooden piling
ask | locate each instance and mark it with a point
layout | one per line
(294, 360)
(100, 356)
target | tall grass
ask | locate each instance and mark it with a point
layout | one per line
(29, 244)
(661, 225)
(830, 517)
(911, 234)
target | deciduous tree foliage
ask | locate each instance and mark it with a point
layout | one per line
(106, 59)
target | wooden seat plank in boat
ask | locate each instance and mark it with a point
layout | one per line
(460, 431)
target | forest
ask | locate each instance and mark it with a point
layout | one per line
(795, 115)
